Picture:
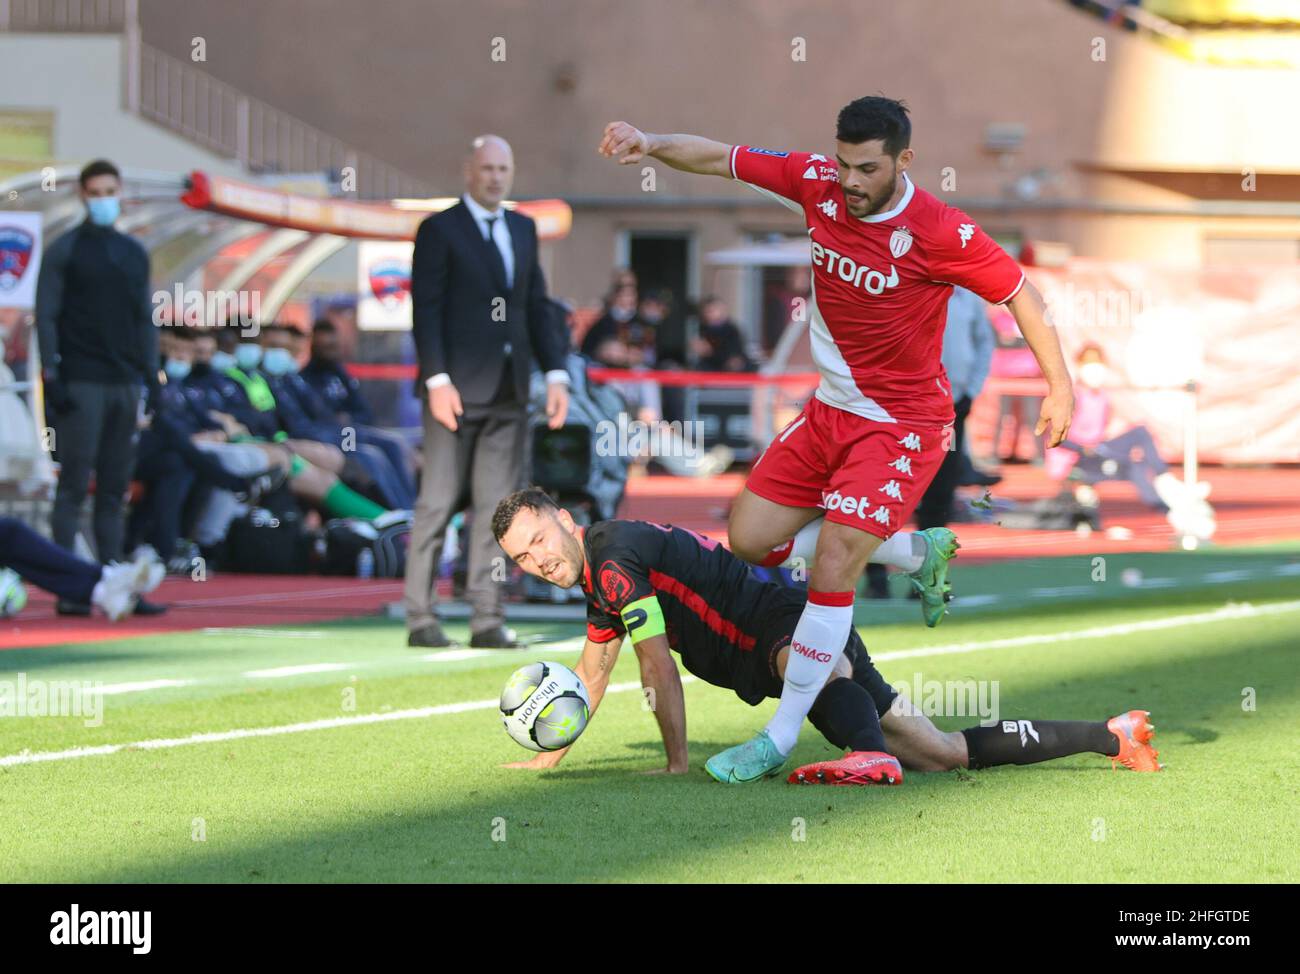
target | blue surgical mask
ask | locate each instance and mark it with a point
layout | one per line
(279, 361)
(221, 361)
(104, 210)
(247, 356)
(176, 369)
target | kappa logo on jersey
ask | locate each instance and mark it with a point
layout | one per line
(892, 489)
(829, 207)
(903, 465)
(851, 272)
(881, 514)
(766, 152)
(966, 231)
(808, 651)
(900, 242)
(615, 584)
(911, 441)
(817, 157)
(1024, 727)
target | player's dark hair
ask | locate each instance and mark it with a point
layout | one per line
(99, 167)
(533, 498)
(875, 117)
(323, 326)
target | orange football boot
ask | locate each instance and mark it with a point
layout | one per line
(855, 768)
(1135, 733)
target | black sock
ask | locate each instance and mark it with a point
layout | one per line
(1031, 741)
(846, 715)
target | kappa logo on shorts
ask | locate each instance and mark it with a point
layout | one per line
(892, 489)
(855, 505)
(615, 584)
(903, 465)
(911, 441)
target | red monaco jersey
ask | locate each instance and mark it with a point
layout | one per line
(881, 285)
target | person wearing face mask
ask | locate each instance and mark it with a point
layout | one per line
(99, 349)
(305, 416)
(1101, 446)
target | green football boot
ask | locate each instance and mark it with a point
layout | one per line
(756, 758)
(931, 580)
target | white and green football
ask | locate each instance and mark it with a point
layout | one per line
(544, 706)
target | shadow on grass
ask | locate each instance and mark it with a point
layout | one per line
(603, 820)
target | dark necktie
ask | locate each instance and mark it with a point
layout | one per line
(494, 252)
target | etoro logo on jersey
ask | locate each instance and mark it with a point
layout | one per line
(851, 272)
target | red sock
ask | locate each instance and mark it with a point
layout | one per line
(777, 555)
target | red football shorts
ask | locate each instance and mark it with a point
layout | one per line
(863, 473)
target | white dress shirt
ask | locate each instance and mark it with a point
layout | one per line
(504, 243)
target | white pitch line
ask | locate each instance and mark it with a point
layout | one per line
(275, 633)
(164, 743)
(110, 689)
(1228, 612)
(1232, 611)
(279, 671)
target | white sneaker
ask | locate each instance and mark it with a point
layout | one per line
(150, 570)
(115, 593)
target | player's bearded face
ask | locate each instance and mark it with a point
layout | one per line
(868, 177)
(543, 546)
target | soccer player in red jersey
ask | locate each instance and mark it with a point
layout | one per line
(885, 254)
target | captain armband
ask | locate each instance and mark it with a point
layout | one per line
(643, 619)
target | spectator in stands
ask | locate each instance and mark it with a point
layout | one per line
(327, 374)
(719, 346)
(304, 415)
(99, 350)
(114, 588)
(1013, 359)
(170, 466)
(1102, 446)
(269, 464)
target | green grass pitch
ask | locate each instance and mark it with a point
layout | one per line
(382, 764)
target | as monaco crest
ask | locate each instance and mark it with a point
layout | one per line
(390, 281)
(15, 255)
(900, 242)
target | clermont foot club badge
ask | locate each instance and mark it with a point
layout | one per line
(900, 242)
(390, 281)
(15, 254)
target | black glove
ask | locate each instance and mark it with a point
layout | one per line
(57, 397)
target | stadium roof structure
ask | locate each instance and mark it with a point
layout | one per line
(187, 220)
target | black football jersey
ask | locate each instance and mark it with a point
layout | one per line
(644, 578)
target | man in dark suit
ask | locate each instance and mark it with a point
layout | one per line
(480, 316)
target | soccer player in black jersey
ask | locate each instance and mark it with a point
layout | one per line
(668, 589)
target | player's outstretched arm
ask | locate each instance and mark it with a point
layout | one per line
(660, 678)
(689, 153)
(1029, 311)
(593, 669)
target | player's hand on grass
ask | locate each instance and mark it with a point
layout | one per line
(1058, 408)
(620, 137)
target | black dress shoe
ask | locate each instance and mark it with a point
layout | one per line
(428, 637)
(498, 637)
(143, 608)
(66, 607)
